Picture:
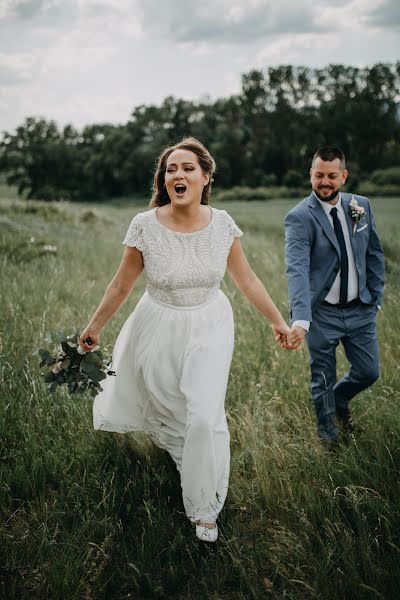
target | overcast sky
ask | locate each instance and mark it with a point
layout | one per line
(92, 61)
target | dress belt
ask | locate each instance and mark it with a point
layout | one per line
(182, 307)
(351, 304)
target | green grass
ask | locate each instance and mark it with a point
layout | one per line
(96, 515)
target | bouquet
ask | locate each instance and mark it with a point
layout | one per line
(70, 365)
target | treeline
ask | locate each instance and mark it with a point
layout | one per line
(265, 136)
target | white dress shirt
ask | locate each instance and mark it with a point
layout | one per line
(333, 295)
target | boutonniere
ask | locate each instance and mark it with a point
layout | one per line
(357, 212)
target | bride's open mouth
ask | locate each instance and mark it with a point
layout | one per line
(180, 189)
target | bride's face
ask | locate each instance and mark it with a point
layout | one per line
(184, 178)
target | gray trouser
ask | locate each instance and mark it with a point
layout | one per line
(355, 327)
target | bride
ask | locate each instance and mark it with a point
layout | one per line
(173, 354)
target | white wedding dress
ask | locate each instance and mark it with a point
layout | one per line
(173, 354)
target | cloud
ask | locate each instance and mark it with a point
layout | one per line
(233, 22)
(226, 21)
(119, 17)
(16, 68)
(291, 49)
(351, 17)
(94, 60)
(25, 9)
(387, 15)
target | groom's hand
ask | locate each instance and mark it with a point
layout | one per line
(281, 333)
(296, 337)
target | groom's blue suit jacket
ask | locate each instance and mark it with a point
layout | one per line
(313, 255)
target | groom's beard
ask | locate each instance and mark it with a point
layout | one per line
(331, 196)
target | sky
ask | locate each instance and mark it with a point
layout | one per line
(94, 61)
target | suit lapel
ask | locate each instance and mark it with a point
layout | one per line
(323, 220)
(346, 208)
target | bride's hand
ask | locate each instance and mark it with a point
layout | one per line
(281, 333)
(89, 335)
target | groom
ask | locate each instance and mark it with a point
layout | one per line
(335, 269)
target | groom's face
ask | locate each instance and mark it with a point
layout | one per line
(327, 178)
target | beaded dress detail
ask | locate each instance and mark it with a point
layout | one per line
(184, 269)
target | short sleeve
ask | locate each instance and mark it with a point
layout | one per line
(134, 235)
(234, 231)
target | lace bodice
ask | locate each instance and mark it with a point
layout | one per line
(183, 269)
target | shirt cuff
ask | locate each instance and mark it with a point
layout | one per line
(303, 324)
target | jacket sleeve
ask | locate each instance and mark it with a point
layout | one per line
(297, 256)
(375, 262)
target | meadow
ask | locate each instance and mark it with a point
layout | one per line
(94, 515)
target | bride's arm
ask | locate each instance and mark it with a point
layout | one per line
(252, 288)
(116, 293)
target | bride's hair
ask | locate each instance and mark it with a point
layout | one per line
(206, 162)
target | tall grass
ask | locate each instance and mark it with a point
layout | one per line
(96, 515)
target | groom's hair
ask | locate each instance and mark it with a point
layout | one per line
(330, 153)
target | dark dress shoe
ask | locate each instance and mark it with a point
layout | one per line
(331, 446)
(345, 421)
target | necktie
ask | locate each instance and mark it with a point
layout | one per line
(344, 261)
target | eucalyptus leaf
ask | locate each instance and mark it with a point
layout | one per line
(90, 358)
(89, 368)
(74, 338)
(53, 387)
(44, 354)
(69, 351)
(99, 376)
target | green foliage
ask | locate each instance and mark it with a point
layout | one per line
(388, 176)
(293, 179)
(267, 179)
(79, 372)
(372, 190)
(262, 137)
(243, 193)
(19, 248)
(89, 514)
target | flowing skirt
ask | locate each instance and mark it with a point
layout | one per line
(172, 366)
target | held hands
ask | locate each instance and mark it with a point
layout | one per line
(289, 339)
(281, 333)
(296, 337)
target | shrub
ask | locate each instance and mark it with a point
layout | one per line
(371, 189)
(50, 193)
(293, 179)
(388, 176)
(268, 180)
(242, 193)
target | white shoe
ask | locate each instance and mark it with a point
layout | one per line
(207, 534)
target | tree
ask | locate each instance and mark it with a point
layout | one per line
(267, 132)
(33, 158)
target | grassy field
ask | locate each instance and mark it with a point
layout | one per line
(95, 515)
